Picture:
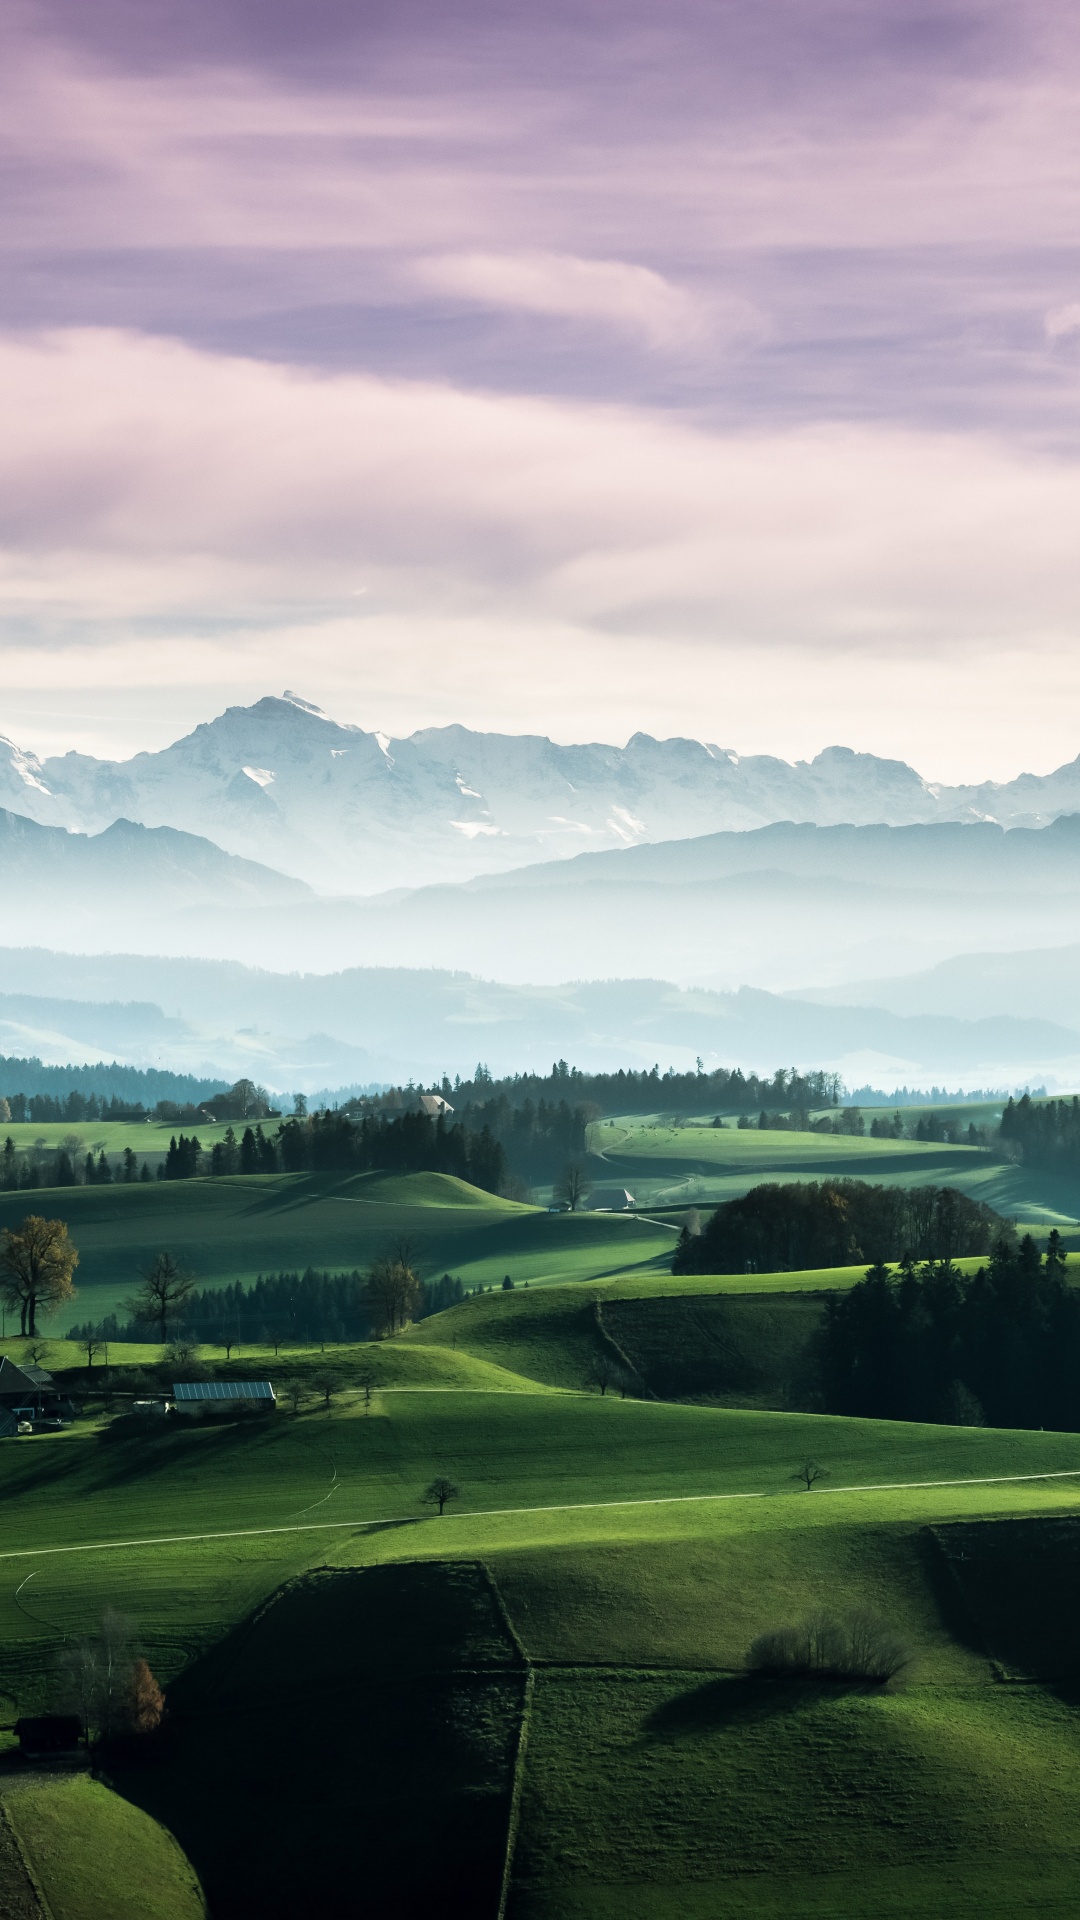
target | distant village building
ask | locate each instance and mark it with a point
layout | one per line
(433, 1104)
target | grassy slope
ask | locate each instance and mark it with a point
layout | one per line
(350, 1750)
(149, 1139)
(655, 1773)
(98, 1857)
(550, 1334)
(707, 1165)
(506, 1451)
(230, 1229)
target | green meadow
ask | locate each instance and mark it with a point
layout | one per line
(536, 1705)
(235, 1228)
(702, 1165)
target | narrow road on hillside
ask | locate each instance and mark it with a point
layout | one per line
(564, 1506)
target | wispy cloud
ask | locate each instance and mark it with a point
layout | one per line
(150, 491)
(298, 302)
(614, 292)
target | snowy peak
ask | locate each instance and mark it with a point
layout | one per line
(356, 811)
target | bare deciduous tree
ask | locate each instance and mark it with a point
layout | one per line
(603, 1372)
(328, 1383)
(573, 1188)
(810, 1473)
(163, 1291)
(293, 1391)
(439, 1492)
(111, 1688)
(183, 1356)
(367, 1383)
(37, 1261)
(393, 1294)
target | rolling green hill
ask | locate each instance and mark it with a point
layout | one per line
(638, 1548)
(230, 1229)
(672, 1166)
(577, 1622)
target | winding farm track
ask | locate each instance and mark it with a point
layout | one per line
(502, 1513)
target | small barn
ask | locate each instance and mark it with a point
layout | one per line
(50, 1736)
(193, 1397)
(25, 1385)
(31, 1393)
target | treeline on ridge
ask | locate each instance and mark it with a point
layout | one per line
(1000, 1347)
(835, 1223)
(312, 1143)
(293, 1308)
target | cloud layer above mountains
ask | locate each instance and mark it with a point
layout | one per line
(711, 369)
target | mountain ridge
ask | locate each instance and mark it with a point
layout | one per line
(356, 811)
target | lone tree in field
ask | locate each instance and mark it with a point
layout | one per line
(809, 1474)
(393, 1294)
(326, 1382)
(163, 1291)
(440, 1491)
(37, 1261)
(603, 1372)
(366, 1383)
(573, 1188)
(294, 1393)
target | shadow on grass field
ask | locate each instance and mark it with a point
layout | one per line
(348, 1750)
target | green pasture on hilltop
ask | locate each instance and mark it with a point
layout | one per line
(634, 1550)
(374, 1706)
(147, 1138)
(235, 1228)
(667, 1165)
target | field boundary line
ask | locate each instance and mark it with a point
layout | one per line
(565, 1506)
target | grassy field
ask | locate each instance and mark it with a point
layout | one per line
(351, 1750)
(147, 1138)
(95, 1854)
(704, 1165)
(230, 1229)
(638, 1547)
(597, 1581)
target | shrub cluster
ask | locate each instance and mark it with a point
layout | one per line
(853, 1646)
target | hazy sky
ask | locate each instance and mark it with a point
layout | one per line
(708, 367)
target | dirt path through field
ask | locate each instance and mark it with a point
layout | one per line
(564, 1506)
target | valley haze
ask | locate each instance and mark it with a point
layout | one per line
(475, 896)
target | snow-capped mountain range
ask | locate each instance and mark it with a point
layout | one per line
(352, 811)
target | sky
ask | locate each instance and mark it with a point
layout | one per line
(704, 369)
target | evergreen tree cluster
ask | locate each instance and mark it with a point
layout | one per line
(833, 1223)
(294, 1308)
(335, 1143)
(1044, 1134)
(1000, 1347)
(109, 1091)
(633, 1090)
